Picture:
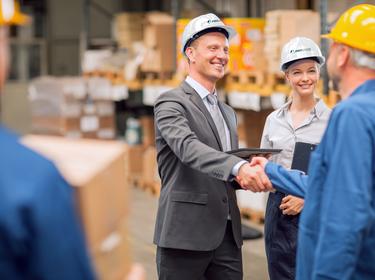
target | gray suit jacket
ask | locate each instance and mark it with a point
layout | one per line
(197, 193)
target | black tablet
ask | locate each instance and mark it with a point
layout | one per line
(245, 153)
(301, 156)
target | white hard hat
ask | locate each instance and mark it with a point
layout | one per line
(202, 25)
(300, 48)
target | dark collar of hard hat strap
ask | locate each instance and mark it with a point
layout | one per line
(205, 31)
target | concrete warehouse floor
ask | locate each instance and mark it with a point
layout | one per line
(141, 221)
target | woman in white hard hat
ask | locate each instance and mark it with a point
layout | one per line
(302, 119)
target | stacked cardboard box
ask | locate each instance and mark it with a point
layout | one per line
(150, 175)
(142, 166)
(283, 25)
(148, 130)
(128, 28)
(159, 41)
(182, 65)
(96, 171)
(134, 164)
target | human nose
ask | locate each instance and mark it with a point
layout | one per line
(305, 76)
(223, 54)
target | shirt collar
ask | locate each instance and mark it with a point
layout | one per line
(201, 90)
(367, 86)
(284, 109)
(317, 111)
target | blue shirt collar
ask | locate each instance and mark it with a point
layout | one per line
(368, 86)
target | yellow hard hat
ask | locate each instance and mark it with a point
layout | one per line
(10, 13)
(356, 28)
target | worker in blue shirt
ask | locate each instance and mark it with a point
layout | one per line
(337, 227)
(40, 236)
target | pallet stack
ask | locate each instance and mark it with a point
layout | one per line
(141, 159)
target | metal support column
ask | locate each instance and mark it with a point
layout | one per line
(323, 7)
(175, 11)
(85, 31)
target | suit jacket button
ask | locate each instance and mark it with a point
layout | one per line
(225, 200)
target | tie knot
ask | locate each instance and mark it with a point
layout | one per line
(211, 98)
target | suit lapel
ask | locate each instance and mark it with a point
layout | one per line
(197, 101)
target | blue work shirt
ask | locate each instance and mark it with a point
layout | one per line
(337, 227)
(40, 236)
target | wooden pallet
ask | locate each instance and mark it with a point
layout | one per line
(157, 75)
(256, 216)
(243, 77)
(110, 75)
(274, 79)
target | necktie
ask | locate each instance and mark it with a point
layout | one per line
(218, 119)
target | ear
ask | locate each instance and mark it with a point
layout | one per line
(286, 73)
(344, 56)
(190, 54)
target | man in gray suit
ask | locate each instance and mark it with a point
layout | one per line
(198, 227)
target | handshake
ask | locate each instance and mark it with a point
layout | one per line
(252, 176)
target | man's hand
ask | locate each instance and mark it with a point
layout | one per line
(259, 161)
(253, 178)
(267, 156)
(291, 205)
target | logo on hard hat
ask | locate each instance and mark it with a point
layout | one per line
(213, 21)
(300, 50)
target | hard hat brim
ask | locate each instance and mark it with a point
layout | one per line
(230, 33)
(318, 59)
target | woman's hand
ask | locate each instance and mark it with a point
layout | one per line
(291, 205)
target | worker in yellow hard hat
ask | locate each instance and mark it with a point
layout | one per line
(336, 236)
(40, 236)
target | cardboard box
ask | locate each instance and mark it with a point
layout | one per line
(158, 60)
(112, 255)
(134, 161)
(159, 41)
(282, 26)
(96, 171)
(148, 131)
(150, 176)
(127, 28)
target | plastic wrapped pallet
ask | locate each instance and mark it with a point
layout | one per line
(60, 106)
